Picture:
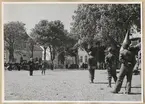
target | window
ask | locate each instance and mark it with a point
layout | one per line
(86, 59)
(81, 58)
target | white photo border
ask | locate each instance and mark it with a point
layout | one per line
(97, 2)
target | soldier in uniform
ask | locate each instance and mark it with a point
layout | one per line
(127, 58)
(92, 61)
(111, 67)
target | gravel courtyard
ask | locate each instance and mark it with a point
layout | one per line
(65, 85)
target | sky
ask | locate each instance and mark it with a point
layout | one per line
(31, 14)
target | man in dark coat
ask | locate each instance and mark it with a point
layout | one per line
(111, 66)
(18, 66)
(31, 66)
(127, 59)
(92, 61)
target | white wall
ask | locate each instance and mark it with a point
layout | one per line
(26, 57)
(37, 54)
(47, 53)
(82, 53)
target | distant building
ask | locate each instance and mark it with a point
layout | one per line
(25, 53)
(47, 53)
(83, 57)
(70, 60)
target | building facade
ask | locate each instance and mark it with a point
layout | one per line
(24, 53)
(83, 57)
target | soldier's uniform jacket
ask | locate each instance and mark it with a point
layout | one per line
(110, 61)
(92, 56)
(31, 65)
(126, 57)
(44, 65)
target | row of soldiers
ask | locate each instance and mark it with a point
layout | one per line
(31, 65)
(127, 59)
(19, 66)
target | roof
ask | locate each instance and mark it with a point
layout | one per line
(37, 48)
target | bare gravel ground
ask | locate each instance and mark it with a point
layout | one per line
(65, 85)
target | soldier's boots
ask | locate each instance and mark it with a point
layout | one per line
(109, 81)
(109, 86)
(31, 73)
(114, 92)
(124, 92)
(127, 93)
(91, 81)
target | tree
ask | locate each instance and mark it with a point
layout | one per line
(14, 36)
(39, 33)
(108, 21)
(104, 23)
(51, 35)
(69, 46)
(31, 44)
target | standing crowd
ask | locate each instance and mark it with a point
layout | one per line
(31, 65)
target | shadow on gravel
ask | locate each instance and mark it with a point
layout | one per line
(134, 87)
(102, 83)
(129, 94)
(134, 93)
(42, 75)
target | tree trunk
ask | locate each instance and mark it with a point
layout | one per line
(32, 51)
(52, 65)
(11, 54)
(45, 52)
(76, 59)
(52, 57)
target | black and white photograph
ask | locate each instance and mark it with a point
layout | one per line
(72, 51)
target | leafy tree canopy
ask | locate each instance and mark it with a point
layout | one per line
(106, 23)
(15, 37)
